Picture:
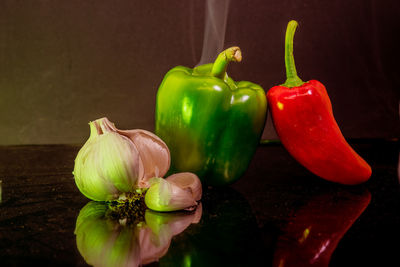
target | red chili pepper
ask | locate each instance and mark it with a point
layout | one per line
(303, 118)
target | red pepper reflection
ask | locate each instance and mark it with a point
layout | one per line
(315, 230)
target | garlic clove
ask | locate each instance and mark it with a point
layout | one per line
(154, 153)
(107, 165)
(87, 179)
(168, 196)
(187, 181)
(118, 159)
(107, 125)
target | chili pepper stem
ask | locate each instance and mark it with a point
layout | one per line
(292, 80)
(221, 63)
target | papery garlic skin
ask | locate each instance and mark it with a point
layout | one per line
(99, 172)
(187, 181)
(181, 192)
(114, 162)
(154, 154)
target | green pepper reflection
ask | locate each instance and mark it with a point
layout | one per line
(106, 241)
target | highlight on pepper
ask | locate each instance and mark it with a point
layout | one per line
(118, 165)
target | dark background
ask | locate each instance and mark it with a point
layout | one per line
(64, 63)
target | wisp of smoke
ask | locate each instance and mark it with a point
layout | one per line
(216, 14)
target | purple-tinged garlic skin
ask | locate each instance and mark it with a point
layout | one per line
(113, 162)
(180, 191)
(187, 181)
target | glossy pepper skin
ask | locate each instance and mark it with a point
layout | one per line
(303, 118)
(211, 124)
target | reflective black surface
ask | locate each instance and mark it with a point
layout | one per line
(277, 214)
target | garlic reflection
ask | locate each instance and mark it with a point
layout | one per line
(130, 241)
(102, 242)
(113, 162)
(177, 192)
(161, 228)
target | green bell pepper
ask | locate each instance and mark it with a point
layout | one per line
(211, 124)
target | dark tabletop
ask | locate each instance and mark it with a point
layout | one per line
(277, 214)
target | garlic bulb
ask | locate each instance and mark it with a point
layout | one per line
(177, 192)
(113, 162)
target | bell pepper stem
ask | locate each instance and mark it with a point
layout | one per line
(292, 80)
(221, 63)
